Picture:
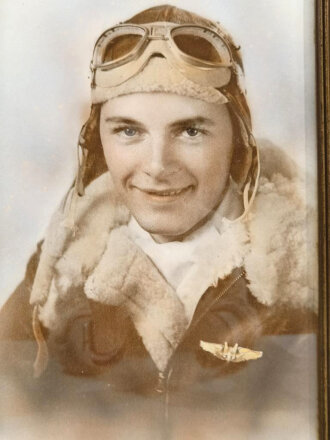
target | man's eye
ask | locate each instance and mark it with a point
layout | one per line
(129, 131)
(192, 132)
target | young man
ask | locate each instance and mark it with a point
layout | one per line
(164, 268)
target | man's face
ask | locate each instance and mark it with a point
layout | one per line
(169, 157)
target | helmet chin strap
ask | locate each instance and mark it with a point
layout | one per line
(77, 189)
(82, 154)
(248, 202)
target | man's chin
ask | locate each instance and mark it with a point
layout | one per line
(163, 233)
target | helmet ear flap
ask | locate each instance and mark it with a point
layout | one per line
(241, 164)
(91, 161)
(89, 134)
(242, 158)
(245, 165)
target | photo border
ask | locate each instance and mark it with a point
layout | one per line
(322, 49)
(323, 123)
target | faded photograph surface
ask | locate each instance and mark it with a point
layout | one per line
(173, 292)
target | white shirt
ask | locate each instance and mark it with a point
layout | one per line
(178, 261)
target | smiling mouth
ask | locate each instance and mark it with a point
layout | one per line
(164, 195)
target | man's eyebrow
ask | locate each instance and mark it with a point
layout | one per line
(123, 120)
(179, 123)
(193, 121)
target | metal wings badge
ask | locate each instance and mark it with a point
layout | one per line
(230, 354)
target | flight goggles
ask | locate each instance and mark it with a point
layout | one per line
(201, 54)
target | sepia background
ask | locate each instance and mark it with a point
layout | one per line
(45, 50)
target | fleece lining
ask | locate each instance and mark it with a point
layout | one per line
(272, 244)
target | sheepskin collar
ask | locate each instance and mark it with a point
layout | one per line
(125, 276)
(110, 268)
(273, 245)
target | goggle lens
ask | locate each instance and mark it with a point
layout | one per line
(121, 46)
(201, 44)
(117, 43)
(197, 47)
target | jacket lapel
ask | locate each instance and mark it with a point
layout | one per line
(126, 277)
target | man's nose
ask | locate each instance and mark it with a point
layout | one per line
(162, 160)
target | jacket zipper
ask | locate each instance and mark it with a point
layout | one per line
(164, 379)
(219, 296)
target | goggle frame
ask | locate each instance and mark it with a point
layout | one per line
(158, 38)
